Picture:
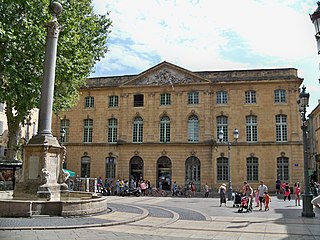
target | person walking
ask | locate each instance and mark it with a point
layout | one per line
(287, 193)
(297, 193)
(222, 192)
(262, 189)
(278, 186)
(174, 189)
(256, 197)
(206, 190)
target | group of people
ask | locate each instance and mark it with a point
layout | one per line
(117, 187)
(285, 189)
(261, 197)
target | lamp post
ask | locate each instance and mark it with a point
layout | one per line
(307, 207)
(235, 137)
(315, 18)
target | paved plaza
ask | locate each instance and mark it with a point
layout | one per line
(169, 218)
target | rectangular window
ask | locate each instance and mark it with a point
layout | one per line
(281, 128)
(222, 169)
(222, 97)
(250, 97)
(87, 131)
(222, 124)
(89, 102)
(165, 130)
(113, 101)
(112, 130)
(165, 99)
(138, 100)
(283, 168)
(137, 135)
(252, 169)
(110, 168)
(64, 124)
(279, 96)
(193, 98)
(193, 129)
(251, 129)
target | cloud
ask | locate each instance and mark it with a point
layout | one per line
(208, 35)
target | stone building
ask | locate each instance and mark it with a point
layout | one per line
(163, 125)
(314, 139)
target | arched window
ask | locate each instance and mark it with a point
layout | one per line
(192, 167)
(137, 135)
(193, 129)
(165, 129)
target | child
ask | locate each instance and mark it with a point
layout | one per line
(297, 192)
(256, 198)
(267, 200)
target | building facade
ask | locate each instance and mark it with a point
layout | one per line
(314, 139)
(163, 125)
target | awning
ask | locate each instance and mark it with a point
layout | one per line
(72, 174)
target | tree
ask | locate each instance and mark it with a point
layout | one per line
(81, 43)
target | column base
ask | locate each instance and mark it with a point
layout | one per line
(307, 206)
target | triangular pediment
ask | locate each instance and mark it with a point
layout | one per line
(166, 74)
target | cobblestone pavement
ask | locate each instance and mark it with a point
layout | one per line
(169, 218)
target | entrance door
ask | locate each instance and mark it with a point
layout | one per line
(193, 172)
(136, 168)
(164, 173)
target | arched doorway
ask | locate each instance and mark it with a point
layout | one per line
(136, 168)
(193, 172)
(164, 173)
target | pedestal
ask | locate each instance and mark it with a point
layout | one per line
(307, 207)
(42, 175)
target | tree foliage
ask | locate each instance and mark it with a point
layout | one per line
(81, 43)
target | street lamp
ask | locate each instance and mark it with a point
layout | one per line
(315, 18)
(235, 137)
(307, 207)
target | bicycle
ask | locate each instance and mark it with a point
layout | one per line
(157, 192)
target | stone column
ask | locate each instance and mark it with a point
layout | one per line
(42, 176)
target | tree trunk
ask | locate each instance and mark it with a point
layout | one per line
(13, 134)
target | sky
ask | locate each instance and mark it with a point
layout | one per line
(212, 35)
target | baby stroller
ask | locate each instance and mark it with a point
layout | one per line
(237, 200)
(246, 205)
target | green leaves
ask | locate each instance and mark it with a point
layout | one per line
(22, 49)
